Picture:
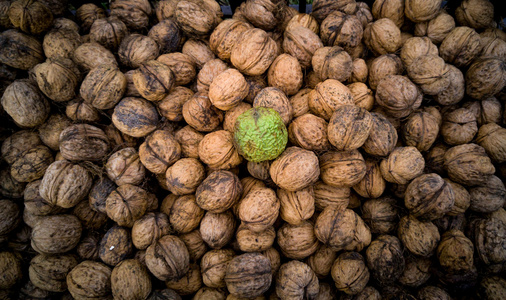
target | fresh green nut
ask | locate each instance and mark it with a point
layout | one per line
(260, 134)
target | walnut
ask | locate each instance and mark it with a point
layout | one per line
(301, 43)
(485, 77)
(488, 197)
(421, 11)
(188, 284)
(19, 50)
(468, 164)
(259, 209)
(150, 228)
(197, 17)
(380, 214)
(30, 16)
(83, 142)
(225, 36)
(217, 229)
(89, 279)
(90, 218)
(402, 165)
(461, 46)
(336, 227)
(437, 28)
(416, 272)
(420, 244)
(297, 241)
(382, 36)
(350, 273)
(309, 132)
(130, 279)
(327, 96)
(92, 55)
(201, 114)
(126, 204)
(455, 252)
(228, 89)
(136, 49)
(10, 216)
(199, 51)
(251, 241)
(243, 52)
(168, 35)
(159, 151)
(298, 206)
(50, 272)
(349, 127)
(79, 111)
(185, 215)
(342, 169)
(285, 73)
(248, 275)
(58, 78)
(195, 245)
(295, 169)
(373, 184)
(87, 13)
(168, 258)
(296, 280)
(135, 117)
(385, 250)
(135, 14)
(56, 234)
(478, 14)
(217, 150)
(213, 267)
(219, 191)
(153, 80)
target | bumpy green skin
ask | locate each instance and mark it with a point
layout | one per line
(259, 134)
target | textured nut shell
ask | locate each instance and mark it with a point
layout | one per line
(124, 167)
(150, 228)
(421, 11)
(491, 137)
(254, 52)
(382, 66)
(10, 54)
(9, 187)
(259, 209)
(485, 77)
(285, 73)
(276, 99)
(199, 51)
(32, 164)
(468, 164)
(56, 234)
(61, 43)
(415, 47)
(402, 165)
(336, 227)
(184, 176)
(301, 43)
(297, 241)
(309, 132)
(159, 151)
(232, 114)
(136, 49)
(263, 14)
(295, 169)
(382, 36)
(168, 258)
(382, 137)
(108, 32)
(296, 280)
(455, 91)
(213, 267)
(195, 245)
(89, 279)
(153, 80)
(182, 66)
(455, 251)
(420, 130)
(197, 17)
(248, 275)
(327, 195)
(478, 14)
(460, 46)
(359, 71)
(209, 71)
(327, 96)
(298, 206)
(135, 117)
(87, 13)
(305, 20)
(200, 113)
(35, 204)
(489, 197)
(217, 150)
(32, 111)
(393, 10)
(91, 55)
(380, 214)
(217, 229)
(350, 273)
(333, 63)
(429, 197)
(65, 184)
(342, 169)
(30, 16)
(219, 191)
(10, 216)
(50, 272)
(436, 29)
(185, 215)
(349, 127)
(416, 272)
(130, 279)
(373, 184)
(423, 245)
(225, 36)
(188, 284)
(135, 14)
(19, 142)
(79, 111)
(115, 246)
(341, 29)
(431, 73)
(171, 106)
(167, 34)
(58, 78)
(189, 140)
(398, 96)
(362, 96)
(83, 142)
(459, 126)
(322, 8)
(251, 241)
(321, 261)
(228, 89)
(386, 250)
(126, 204)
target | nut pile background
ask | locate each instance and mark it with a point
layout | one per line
(120, 178)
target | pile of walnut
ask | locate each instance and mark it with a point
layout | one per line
(120, 178)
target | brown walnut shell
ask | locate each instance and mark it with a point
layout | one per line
(349, 127)
(199, 51)
(91, 55)
(19, 142)
(184, 176)
(309, 132)
(79, 111)
(153, 80)
(350, 273)
(104, 86)
(420, 130)
(402, 165)
(489, 197)
(189, 140)
(382, 137)
(201, 114)
(285, 73)
(219, 191)
(10, 214)
(455, 91)
(341, 29)
(415, 47)
(130, 279)
(436, 29)
(254, 52)
(171, 106)
(217, 229)
(217, 150)
(90, 279)
(385, 250)
(225, 36)
(32, 111)
(126, 204)
(32, 164)
(478, 14)
(228, 89)
(185, 215)
(30, 16)
(342, 169)
(189, 284)
(83, 142)
(251, 241)
(382, 66)
(333, 63)
(182, 65)
(297, 241)
(468, 164)
(485, 77)
(50, 272)
(380, 214)
(259, 209)
(455, 252)
(459, 126)
(213, 267)
(197, 17)
(115, 246)
(301, 43)
(461, 46)
(296, 280)
(416, 272)
(362, 96)
(125, 167)
(159, 151)
(61, 43)
(421, 11)
(12, 42)
(135, 117)
(263, 14)
(295, 160)
(373, 184)
(168, 258)
(150, 228)
(491, 137)
(87, 13)
(422, 245)
(336, 227)
(195, 245)
(248, 275)
(108, 32)
(136, 49)
(393, 10)
(56, 234)
(167, 34)
(296, 207)
(322, 8)
(382, 36)
(58, 78)
(135, 14)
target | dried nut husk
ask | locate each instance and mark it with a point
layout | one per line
(167, 34)
(65, 184)
(373, 184)
(61, 43)
(340, 29)
(189, 283)
(468, 164)
(491, 137)
(455, 91)
(321, 260)
(297, 241)
(219, 191)
(259, 170)
(327, 96)
(285, 73)
(126, 204)
(385, 250)
(125, 167)
(349, 127)
(83, 142)
(19, 142)
(184, 176)
(195, 245)
(136, 49)
(488, 197)
(58, 78)
(486, 111)
(382, 36)
(182, 66)
(296, 207)
(493, 286)
(431, 73)
(201, 114)
(382, 66)
(362, 96)
(153, 80)
(416, 272)
(171, 106)
(214, 265)
(333, 63)
(217, 150)
(364, 13)
(197, 17)
(135, 14)
(10, 216)
(262, 13)
(115, 246)
(415, 47)
(419, 244)
(251, 241)
(393, 10)
(301, 43)
(478, 14)
(336, 227)
(462, 199)
(35, 204)
(259, 209)
(296, 280)
(327, 195)
(455, 252)
(12, 42)
(421, 11)
(159, 151)
(225, 36)
(322, 8)
(421, 130)
(32, 164)
(56, 234)
(488, 235)
(276, 99)
(108, 32)
(402, 165)
(189, 140)
(228, 89)
(247, 55)
(342, 169)
(135, 117)
(90, 279)
(199, 51)
(208, 72)
(350, 273)
(217, 229)
(485, 77)
(99, 193)
(32, 111)
(168, 258)
(248, 275)
(493, 47)
(185, 215)
(382, 137)
(79, 111)
(104, 86)
(87, 13)
(90, 218)
(359, 71)
(434, 159)
(91, 55)
(150, 228)
(309, 132)
(130, 279)
(460, 46)
(380, 214)
(50, 272)
(30, 16)
(295, 169)
(437, 28)
(459, 126)
(304, 20)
